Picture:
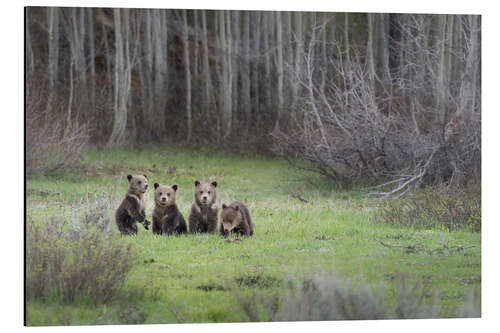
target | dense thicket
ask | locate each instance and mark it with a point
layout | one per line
(353, 94)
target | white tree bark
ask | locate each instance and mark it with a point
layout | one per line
(267, 59)
(78, 53)
(299, 52)
(206, 65)
(279, 37)
(53, 60)
(30, 61)
(236, 65)
(122, 77)
(187, 67)
(255, 70)
(369, 51)
(92, 83)
(160, 70)
(245, 76)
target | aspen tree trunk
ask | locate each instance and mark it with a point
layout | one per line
(92, 84)
(324, 41)
(348, 84)
(196, 80)
(160, 73)
(109, 69)
(255, 68)
(236, 47)
(188, 74)
(219, 71)
(228, 91)
(290, 77)
(122, 78)
(225, 73)
(441, 70)
(53, 60)
(267, 61)
(30, 62)
(473, 63)
(384, 55)
(279, 36)
(299, 50)
(449, 65)
(77, 41)
(145, 68)
(206, 66)
(246, 67)
(346, 37)
(369, 52)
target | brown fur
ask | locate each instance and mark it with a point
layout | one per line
(204, 211)
(133, 208)
(167, 219)
(236, 218)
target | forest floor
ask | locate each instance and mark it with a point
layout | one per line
(303, 226)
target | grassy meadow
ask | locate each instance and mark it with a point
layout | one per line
(304, 225)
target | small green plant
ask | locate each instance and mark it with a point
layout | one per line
(452, 209)
(257, 281)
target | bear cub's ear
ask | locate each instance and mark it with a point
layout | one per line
(214, 184)
(196, 182)
(145, 176)
(129, 177)
(236, 207)
(224, 206)
(174, 187)
(156, 185)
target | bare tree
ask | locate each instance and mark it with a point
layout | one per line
(345, 135)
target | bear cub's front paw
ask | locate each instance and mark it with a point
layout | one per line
(146, 224)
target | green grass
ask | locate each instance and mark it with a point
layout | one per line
(196, 278)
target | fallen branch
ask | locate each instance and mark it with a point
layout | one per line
(299, 197)
(407, 247)
(415, 247)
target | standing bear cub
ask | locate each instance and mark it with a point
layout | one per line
(203, 216)
(236, 218)
(133, 208)
(167, 219)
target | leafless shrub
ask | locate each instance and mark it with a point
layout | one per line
(455, 209)
(324, 297)
(84, 257)
(431, 133)
(52, 141)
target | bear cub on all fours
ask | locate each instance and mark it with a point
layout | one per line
(167, 219)
(133, 207)
(203, 216)
(236, 218)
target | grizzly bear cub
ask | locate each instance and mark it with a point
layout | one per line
(167, 219)
(203, 216)
(236, 218)
(133, 208)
